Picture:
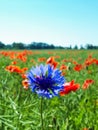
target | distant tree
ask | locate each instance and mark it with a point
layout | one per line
(95, 47)
(51, 46)
(60, 47)
(89, 46)
(40, 45)
(32, 45)
(8, 46)
(75, 47)
(81, 47)
(18, 45)
(2, 45)
(70, 47)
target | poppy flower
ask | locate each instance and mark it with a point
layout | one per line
(24, 69)
(23, 76)
(13, 68)
(54, 64)
(69, 87)
(14, 62)
(25, 84)
(78, 67)
(87, 83)
(63, 67)
(42, 59)
(50, 60)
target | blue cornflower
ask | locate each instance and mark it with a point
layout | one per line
(45, 81)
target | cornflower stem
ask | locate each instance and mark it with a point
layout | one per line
(41, 113)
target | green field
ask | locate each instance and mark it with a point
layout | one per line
(20, 109)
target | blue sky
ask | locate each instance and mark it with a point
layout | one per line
(61, 22)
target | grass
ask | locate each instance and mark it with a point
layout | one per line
(20, 108)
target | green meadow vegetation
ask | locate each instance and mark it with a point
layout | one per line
(20, 108)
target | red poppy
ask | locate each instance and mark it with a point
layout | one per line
(78, 67)
(57, 57)
(13, 68)
(54, 64)
(23, 76)
(86, 83)
(17, 69)
(74, 62)
(25, 84)
(68, 87)
(50, 60)
(14, 62)
(24, 69)
(63, 73)
(42, 59)
(63, 67)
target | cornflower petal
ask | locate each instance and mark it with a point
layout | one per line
(45, 81)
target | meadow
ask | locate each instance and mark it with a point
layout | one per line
(22, 109)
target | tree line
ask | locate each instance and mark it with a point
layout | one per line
(32, 45)
(41, 45)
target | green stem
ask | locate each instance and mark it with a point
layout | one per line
(41, 112)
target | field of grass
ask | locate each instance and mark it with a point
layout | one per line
(21, 109)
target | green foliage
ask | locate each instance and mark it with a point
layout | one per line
(1, 45)
(20, 108)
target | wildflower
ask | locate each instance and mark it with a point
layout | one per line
(96, 61)
(16, 69)
(42, 59)
(52, 62)
(86, 83)
(75, 63)
(13, 68)
(24, 69)
(63, 73)
(14, 62)
(23, 76)
(68, 87)
(58, 57)
(45, 81)
(78, 67)
(63, 67)
(25, 84)
(32, 60)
